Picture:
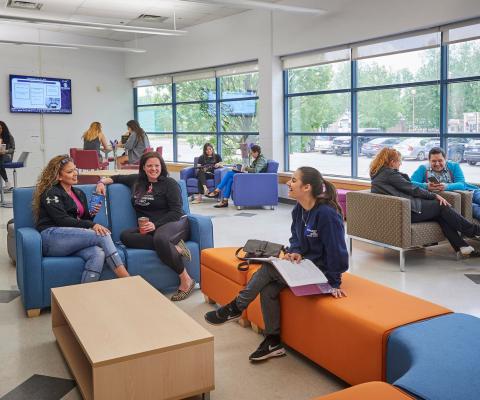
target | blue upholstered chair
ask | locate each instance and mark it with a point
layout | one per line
(37, 274)
(189, 175)
(256, 189)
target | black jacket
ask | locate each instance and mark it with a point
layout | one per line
(391, 182)
(57, 208)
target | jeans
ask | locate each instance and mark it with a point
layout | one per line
(202, 177)
(226, 184)
(162, 240)
(269, 283)
(449, 220)
(84, 243)
(476, 204)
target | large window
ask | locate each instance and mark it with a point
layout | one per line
(411, 93)
(219, 107)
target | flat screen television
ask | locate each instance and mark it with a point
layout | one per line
(33, 94)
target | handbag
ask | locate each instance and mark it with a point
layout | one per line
(257, 249)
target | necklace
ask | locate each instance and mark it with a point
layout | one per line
(305, 221)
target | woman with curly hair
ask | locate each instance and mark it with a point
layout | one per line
(66, 225)
(425, 205)
(93, 137)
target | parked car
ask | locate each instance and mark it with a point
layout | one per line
(472, 152)
(455, 148)
(413, 148)
(342, 144)
(324, 144)
(371, 148)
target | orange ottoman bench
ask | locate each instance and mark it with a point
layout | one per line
(220, 278)
(347, 336)
(368, 391)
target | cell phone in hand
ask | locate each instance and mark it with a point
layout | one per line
(433, 179)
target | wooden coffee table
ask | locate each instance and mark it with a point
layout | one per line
(122, 339)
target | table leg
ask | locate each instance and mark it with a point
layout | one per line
(206, 396)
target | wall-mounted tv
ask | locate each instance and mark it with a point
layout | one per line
(33, 94)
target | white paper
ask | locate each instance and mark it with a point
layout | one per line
(303, 273)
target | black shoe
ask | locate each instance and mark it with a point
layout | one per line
(474, 254)
(222, 204)
(270, 347)
(227, 313)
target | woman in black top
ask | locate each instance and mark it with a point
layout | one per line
(6, 155)
(206, 165)
(157, 197)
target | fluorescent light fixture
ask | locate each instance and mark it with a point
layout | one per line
(72, 46)
(254, 4)
(93, 25)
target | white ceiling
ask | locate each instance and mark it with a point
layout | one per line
(125, 12)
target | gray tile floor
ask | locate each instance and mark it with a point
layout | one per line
(28, 347)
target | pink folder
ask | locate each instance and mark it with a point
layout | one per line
(308, 290)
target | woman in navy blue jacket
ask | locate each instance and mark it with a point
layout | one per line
(318, 234)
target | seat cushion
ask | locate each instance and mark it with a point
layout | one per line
(426, 233)
(223, 261)
(367, 391)
(437, 359)
(348, 336)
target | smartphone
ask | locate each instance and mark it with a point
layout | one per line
(433, 179)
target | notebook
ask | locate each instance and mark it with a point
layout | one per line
(308, 290)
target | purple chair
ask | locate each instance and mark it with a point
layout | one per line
(189, 175)
(256, 190)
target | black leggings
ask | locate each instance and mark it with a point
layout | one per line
(163, 241)
(449, 220)
(202, 177)
(3, 172)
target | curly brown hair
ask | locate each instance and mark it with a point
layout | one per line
(383, 159)
(47, 179)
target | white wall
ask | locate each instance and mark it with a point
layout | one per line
(265, 36)
(100, 91)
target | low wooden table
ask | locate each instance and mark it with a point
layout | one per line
(108, 172)
(122, 339)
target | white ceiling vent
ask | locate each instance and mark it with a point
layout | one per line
(24, 5)
(152, 18)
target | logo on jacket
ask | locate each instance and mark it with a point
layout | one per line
(312, 233)
(52, 200)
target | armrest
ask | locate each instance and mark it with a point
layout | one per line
(258, 178)
(29, 266)
(455, 199)
(467, 198)
(381, 218)
(187, 173)
(201, 230)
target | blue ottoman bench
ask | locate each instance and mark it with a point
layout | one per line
(437, 359)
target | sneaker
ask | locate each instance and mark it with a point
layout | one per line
(270, 347)
(227, 313)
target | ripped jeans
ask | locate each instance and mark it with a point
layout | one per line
(84, 243)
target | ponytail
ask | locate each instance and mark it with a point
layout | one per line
(329, 196)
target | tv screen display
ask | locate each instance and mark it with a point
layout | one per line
(33, 94)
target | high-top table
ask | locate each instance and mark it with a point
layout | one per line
(122, 339)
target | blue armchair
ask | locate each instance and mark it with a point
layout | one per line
(256, 189)
(36, 274)
(190, 177)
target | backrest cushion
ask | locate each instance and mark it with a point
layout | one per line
(272, 166)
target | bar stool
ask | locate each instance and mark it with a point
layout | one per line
(20, 163)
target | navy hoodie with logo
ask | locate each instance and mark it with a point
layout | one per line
(319, 235)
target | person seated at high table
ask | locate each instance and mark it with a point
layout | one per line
(318, 234)
(157, 197)
(135, 145)
(66, 225)
(425, 205)
(94, 137)
(442, 175)
(206, 165)
(7, 141)
(259, 164)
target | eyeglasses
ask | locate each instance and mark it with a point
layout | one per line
(66, 158)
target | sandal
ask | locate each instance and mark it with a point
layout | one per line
(185, 251)
(196, 201)
(222, 204)
(181, 295)
(213, 194)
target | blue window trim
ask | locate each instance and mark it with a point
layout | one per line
(174, 104)
(443, 134)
